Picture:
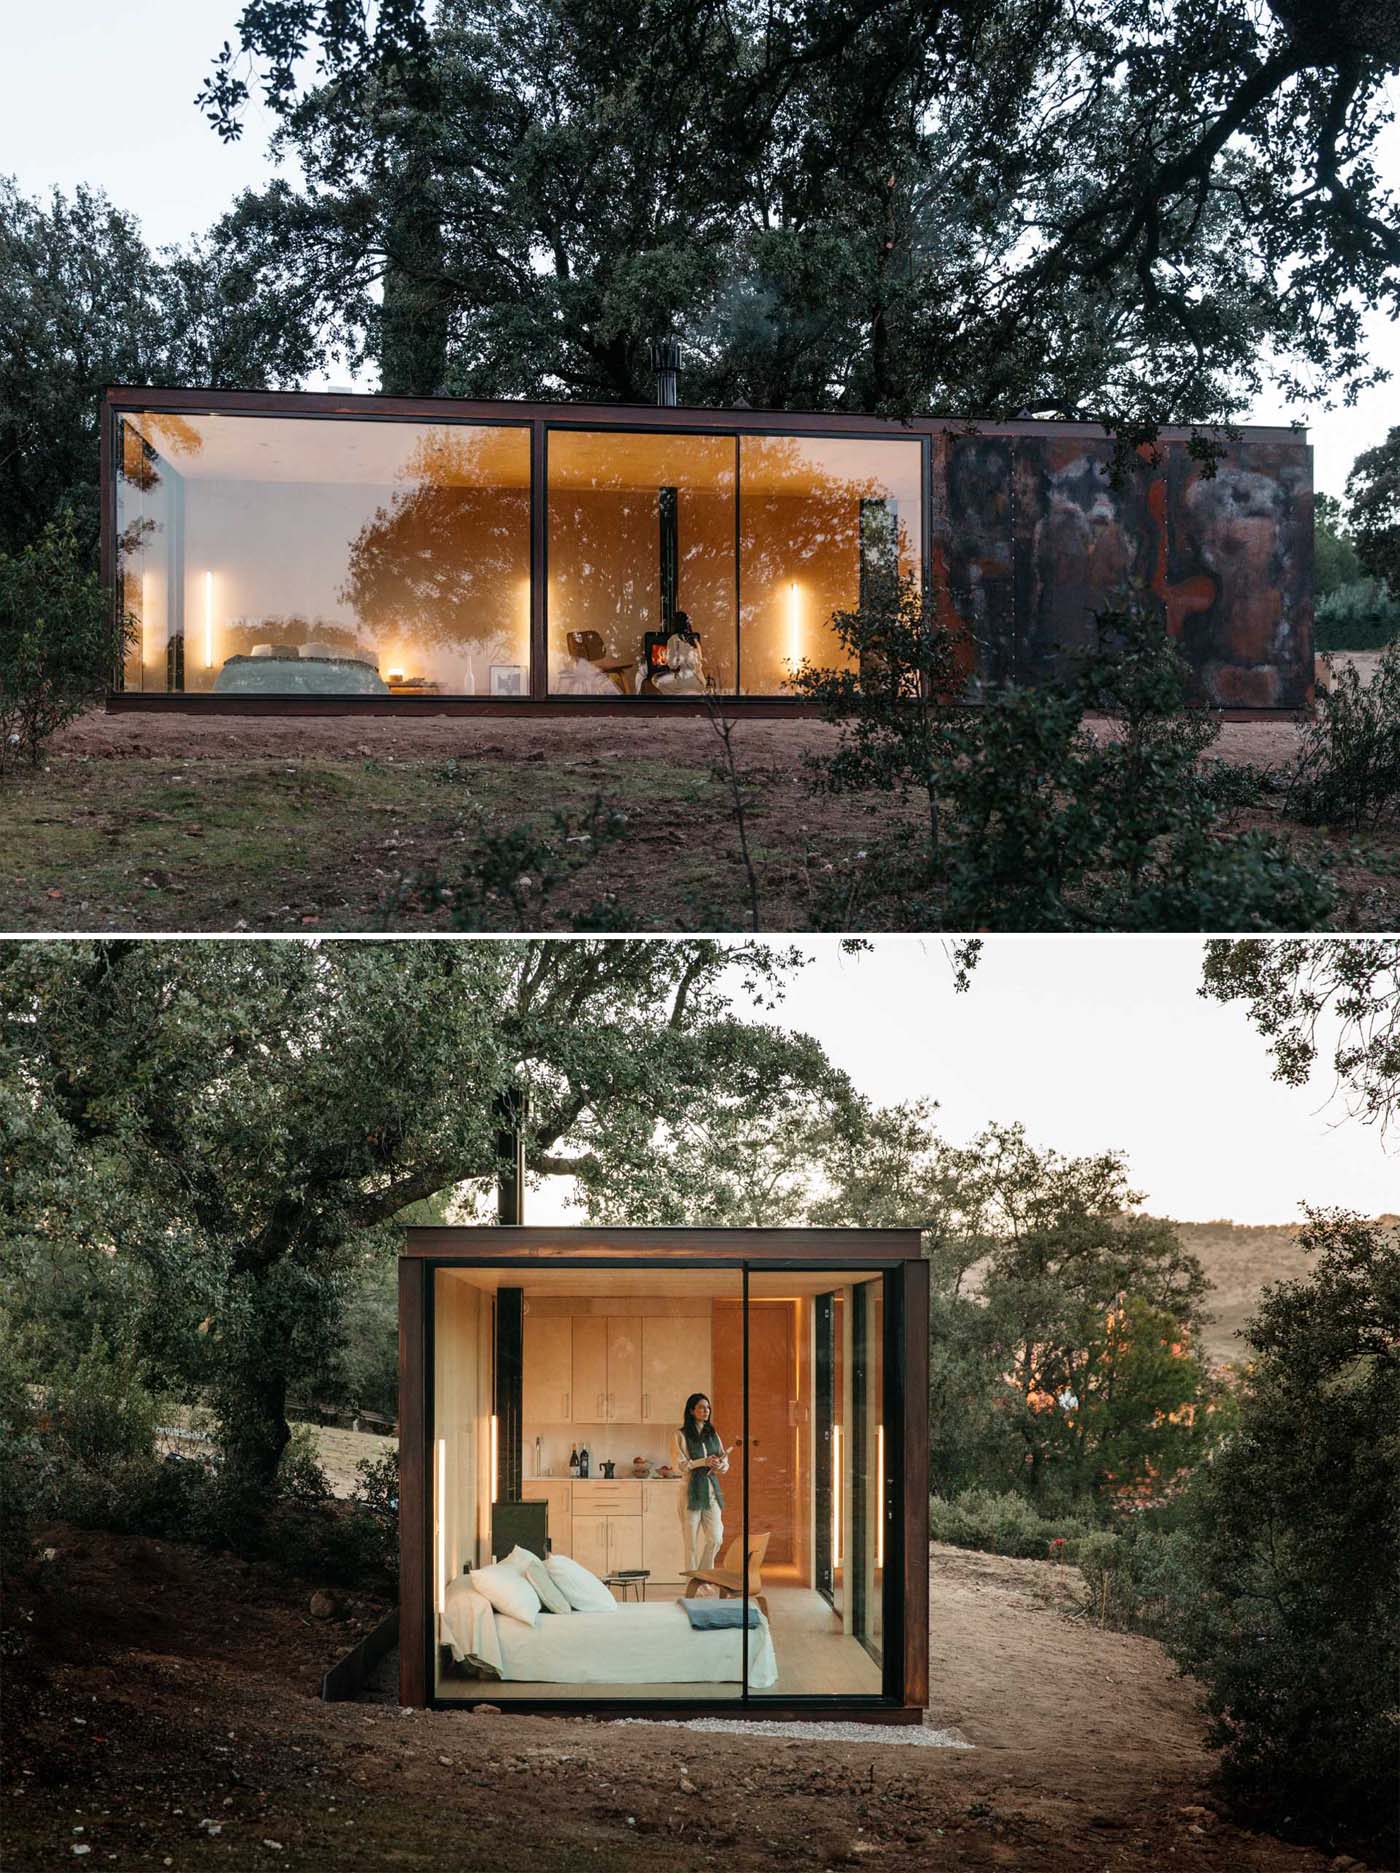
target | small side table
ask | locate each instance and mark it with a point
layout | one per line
(629, 1581)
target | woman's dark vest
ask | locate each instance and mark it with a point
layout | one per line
(702, 1490)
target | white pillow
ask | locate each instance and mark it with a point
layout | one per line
(508, 1591)
(521, 1559)
(584, 1591)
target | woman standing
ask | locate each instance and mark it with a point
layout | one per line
(700, 1457)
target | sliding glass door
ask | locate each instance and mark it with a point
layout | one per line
(686, 1465)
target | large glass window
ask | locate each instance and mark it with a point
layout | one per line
(822, 522)
(770, 1495)
(297, 556)
(650, 553)
(641, 563)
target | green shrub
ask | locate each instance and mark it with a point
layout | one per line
(1292, 1546)
(1360, 615)
(1003, 1523)
(102, 1413)
(1137, 1577)
(26, 1462)
(57, 647)
(1348, 768)
(1035, 821)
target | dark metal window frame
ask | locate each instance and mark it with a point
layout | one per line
(892, 1253)
(539, 419)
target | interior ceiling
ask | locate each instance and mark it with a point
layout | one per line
(689, 1283)
(389, 454)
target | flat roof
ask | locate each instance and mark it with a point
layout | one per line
(530, 1242)
(677, 416)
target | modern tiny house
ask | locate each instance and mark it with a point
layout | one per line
(318, 552)
(530, 1355)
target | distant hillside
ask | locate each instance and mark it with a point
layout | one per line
(1240, 1259)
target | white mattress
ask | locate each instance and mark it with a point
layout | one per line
(650, 1643)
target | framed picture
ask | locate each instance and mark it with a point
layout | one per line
(507, 679)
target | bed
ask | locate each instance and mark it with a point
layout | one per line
(650, 1643)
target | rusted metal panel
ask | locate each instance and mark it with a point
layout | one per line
(976, 546)
(1082, 545)
(1238, 575)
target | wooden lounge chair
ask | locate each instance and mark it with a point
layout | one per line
(727, 1576)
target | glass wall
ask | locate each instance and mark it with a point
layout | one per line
(560, 1435)
(647, 541)
(824, 522)
(641, 552)
(264, 555)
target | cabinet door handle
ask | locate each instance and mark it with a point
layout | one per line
(646, 1405)
(601, 1412)
(565, 1397)
(611, 1396)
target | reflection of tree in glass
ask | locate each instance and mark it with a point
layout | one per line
(445, 559)
(605, 554)
(802, 519)
(805, 523)
(331, 639)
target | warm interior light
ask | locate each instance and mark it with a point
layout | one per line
(836, 1495)
(209, 621)
(442, 1524)
(794, 626)
(879, 1495)
(495, 1455)
(144, 619)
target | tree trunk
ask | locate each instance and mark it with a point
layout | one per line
(253, 1429)
(417, 305)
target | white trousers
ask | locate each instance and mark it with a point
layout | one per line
(702, 1531)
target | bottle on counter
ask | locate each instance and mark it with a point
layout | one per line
(583, 1461)
(573, 1462)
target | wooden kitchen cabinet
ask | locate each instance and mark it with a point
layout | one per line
(547, 1376)
(675, 1363)
(607, 1369)
(624, 1369)
(591, 1543)
(663, 1543)
(589, 1334)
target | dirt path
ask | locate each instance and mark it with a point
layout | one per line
(165, 1716)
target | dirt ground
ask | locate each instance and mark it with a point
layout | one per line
(140, 822)
(165, 1715)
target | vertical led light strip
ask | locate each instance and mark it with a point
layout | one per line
(836, 1495)
(794, 626)
(880, 1495)
(442, 1524)
(209, 621)
(495, 1457)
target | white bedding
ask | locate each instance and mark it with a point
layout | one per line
(650, 1643)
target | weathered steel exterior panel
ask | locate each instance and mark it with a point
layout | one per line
(1238, 578)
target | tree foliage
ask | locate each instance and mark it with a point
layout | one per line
(893, 206)
(1373, 502)
(245, 1122)
(1340, 996)
(1294, 1624)
(85, 303)
(1335, 563)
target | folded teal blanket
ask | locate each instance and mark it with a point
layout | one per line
(720, 1615)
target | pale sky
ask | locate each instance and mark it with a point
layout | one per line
(1093, 1043)
(104, 95)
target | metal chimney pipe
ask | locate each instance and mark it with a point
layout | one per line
(510, 1157)
(666, 361)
